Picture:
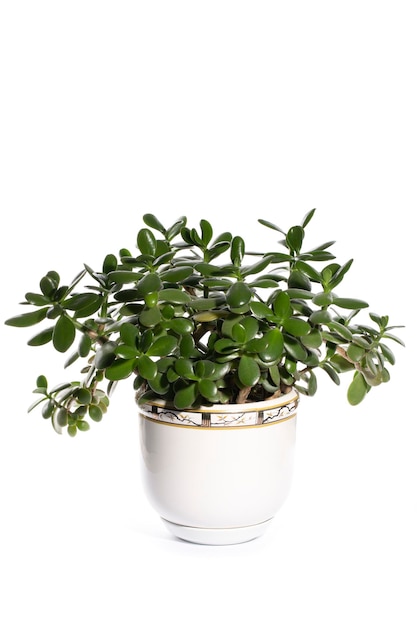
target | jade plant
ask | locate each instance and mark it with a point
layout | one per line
(197, 319)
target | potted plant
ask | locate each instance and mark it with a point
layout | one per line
(219, 342)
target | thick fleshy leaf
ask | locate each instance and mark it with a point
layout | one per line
(153, 222)
(176, 274)
(175, 296)
(27, 319)
(340, 330)
(120, 368)
(282, 306)
(41, 338)
(208, 389)
(261, 310)
(248, 371)
(350, 303)
(122, 277)
(331, 372)
(146, 367)
(163, 346)
(37, 299)
(312, 340)
(238, 295)
(180, 325)
(275, 345)
(150, 317)
(105, 355)
(237, 250)
(307, 218)
(295, 348)
(206, 232)
(95, 412)
(146, 242)
(294, 238)
(186, 396)
(296, 327)
(184, 368)
(149, 284)
(63, 334)
(109, 263)
(357, 390)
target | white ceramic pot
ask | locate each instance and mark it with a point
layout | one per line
(218, 474)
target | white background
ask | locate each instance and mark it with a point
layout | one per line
(227, 111)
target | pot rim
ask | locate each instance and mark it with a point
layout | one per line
(263, 405)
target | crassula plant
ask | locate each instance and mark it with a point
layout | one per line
(196, 319)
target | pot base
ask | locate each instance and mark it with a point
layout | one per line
(217, 536)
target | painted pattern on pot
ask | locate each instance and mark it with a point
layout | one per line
(217, 417)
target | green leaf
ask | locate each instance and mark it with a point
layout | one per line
(341, 330)
(153, 222)
(176, 274)
(37, 299)
(388, 353)
(120, 368)
(296, 327)
(175, 296)
(72, 430)
(41, 338)
(184, 368)
(48, 286)
(357, 390)
(312, 384)
(105, 355)
(320, 317)
(163, 346)
(237, 251)
(255, 268)
(83, 396)
(271, 225)
(82, 425)
(150, 317)
(146, 242)
(206, 232)
(84, 346)
(146, 367)
(339, 274)
(63, 334)
(313, 339)
(282, 306)
(294, 238)
(298, 280)
(331, 372)
(393, 338)
(27, 319)
(323, 298)
(186, 396)
(208, 389)
(248, 371)
(355, 352)
(180, 325)
(261, 310)
(275, 345)
(41, 381)
(238, 295)
(307, 218)
(109, 263)
(148, 284)
(95, 412)
(350, 303)
(121, 277)
(294, 348)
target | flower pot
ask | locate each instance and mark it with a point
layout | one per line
(218, 475)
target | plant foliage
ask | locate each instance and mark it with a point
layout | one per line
(196, 319)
